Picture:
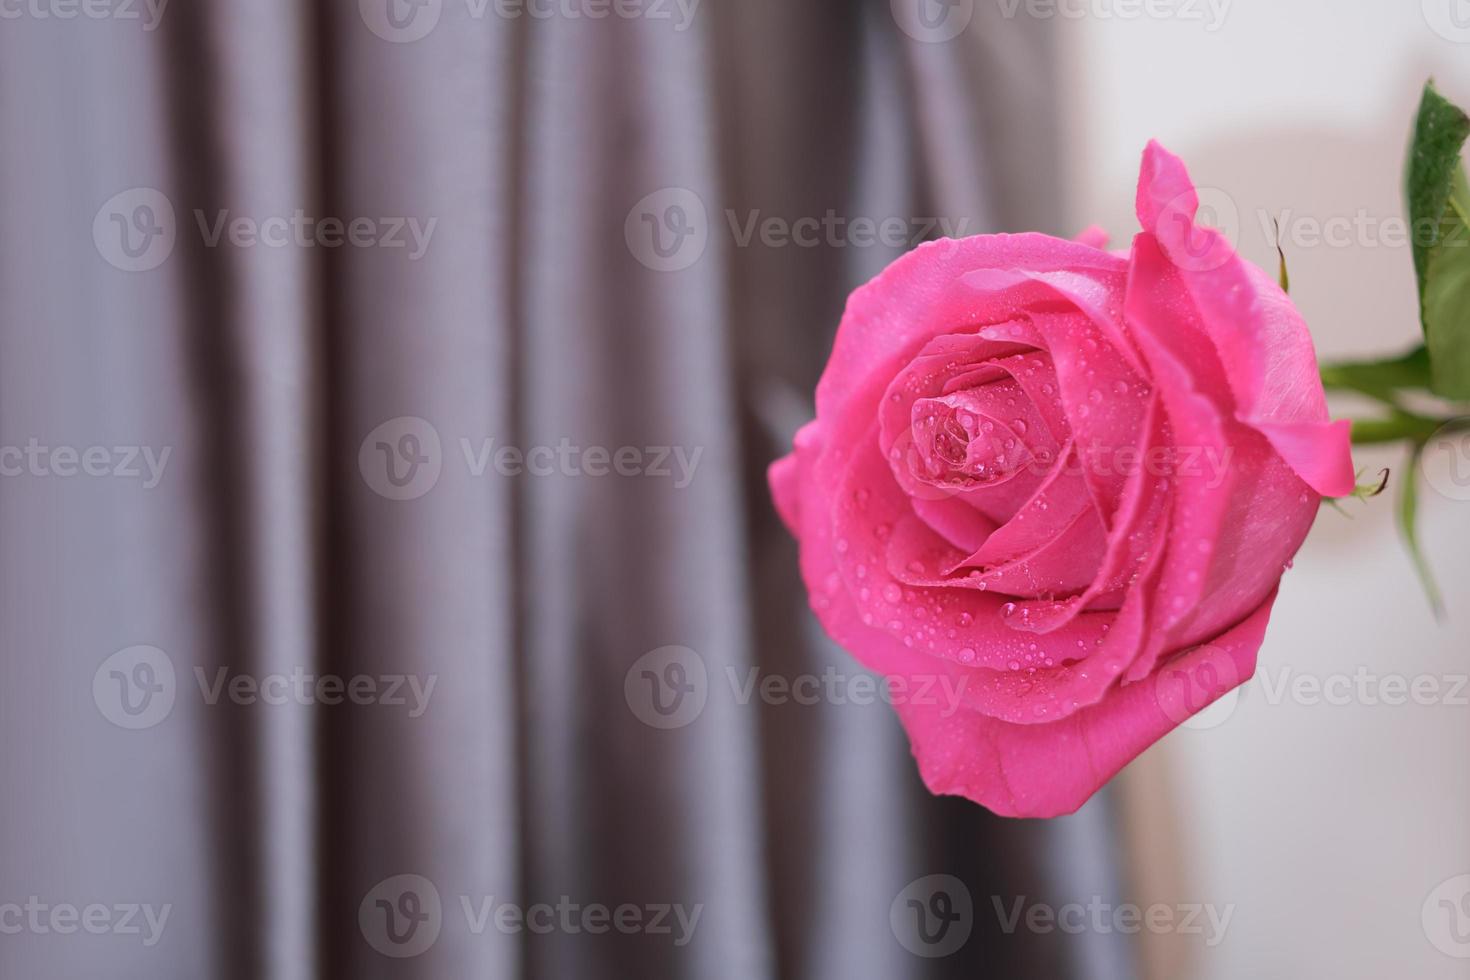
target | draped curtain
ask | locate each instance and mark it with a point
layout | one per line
(267, 547)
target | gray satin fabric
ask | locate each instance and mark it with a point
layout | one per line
(528, 321)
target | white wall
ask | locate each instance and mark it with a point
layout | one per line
(1326, 826)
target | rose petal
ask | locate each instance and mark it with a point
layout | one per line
(1262, 341)
(1051, 769)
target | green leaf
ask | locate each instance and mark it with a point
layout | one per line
(1281, 275)
(1380, 379)
(1434, 158)
(1407, 518)
(1445, 303)
(1398, 425)
(1439, 215)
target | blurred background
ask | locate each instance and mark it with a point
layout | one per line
(390, 584)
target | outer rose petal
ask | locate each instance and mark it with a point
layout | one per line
(1094, 235)
(785, 491)
(888, 320)
(1049, 770)
(1262, 342)
(1242, 511)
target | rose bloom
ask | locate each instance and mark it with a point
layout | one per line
(1065, 483)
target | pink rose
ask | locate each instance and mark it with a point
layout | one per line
(1064, 484)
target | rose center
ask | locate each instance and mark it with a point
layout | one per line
(954, 444)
